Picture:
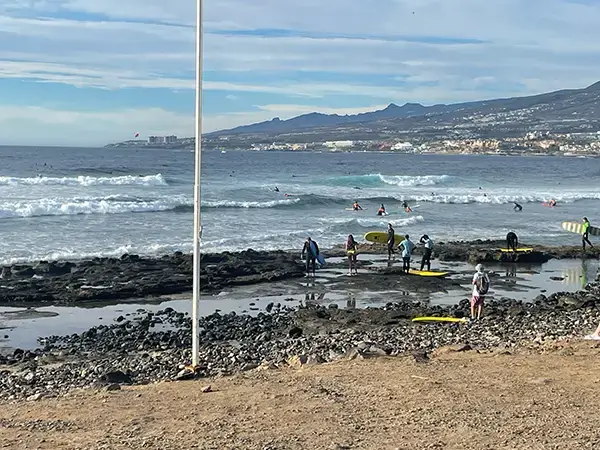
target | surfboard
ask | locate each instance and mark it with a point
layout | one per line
(577, 227)
(380, 237)
(352, 209)
(351, 252)
(519, 250)
(426, 273)
(440, 319)
(318, 257)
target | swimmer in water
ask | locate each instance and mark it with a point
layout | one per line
(517, 207)
(276, 189)
(356, 206)
(381, 210)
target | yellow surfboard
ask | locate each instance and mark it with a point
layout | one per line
(380, 237)
(440, 319)
(519, 250)
(577, 227)
(426, 273)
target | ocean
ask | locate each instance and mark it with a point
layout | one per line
(71, 203)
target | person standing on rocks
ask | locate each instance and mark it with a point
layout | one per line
(428, 244)
(512, 241)
(585, 235)
(310, 251)
(407, 247)
(351, 250)
(481, 285)
(390, 240)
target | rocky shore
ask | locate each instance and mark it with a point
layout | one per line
(132, 276)
(155, 346)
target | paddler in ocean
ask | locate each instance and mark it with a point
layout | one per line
(356, 206)
(381, 211)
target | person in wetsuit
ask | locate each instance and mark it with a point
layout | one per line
(428, 243)
(311, 257)
(276, 189)
(512, 241)
(381, 210)
(390, 240)
(517, 207)
(404, 204)
(585, 235)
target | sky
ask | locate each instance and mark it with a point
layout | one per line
(89, 72)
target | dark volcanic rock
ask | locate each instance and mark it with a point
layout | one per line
(132, 276)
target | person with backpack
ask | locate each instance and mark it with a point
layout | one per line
(481, 286)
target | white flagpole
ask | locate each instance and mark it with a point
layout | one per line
(197, 170)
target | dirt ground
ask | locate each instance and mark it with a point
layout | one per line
(468, 400)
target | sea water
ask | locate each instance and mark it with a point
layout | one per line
(68, 203)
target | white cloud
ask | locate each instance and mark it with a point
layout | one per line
(530, 46)
(47, 126)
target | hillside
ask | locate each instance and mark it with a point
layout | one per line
(569, 110)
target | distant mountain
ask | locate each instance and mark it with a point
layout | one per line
(567, 110)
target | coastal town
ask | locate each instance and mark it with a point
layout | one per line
(530, 144)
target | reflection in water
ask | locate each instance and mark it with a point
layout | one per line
(351, 301)
(580, 275)
(511, 270)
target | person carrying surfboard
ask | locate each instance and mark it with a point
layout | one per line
(390, 240)
(310, 251)
(585, 235)
(381, 210)
(356, 206)
(481, 285)
(351, 250)
(428, 243)
(407, 247)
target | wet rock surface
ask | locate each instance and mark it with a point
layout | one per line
(156, 346)
(131, 276)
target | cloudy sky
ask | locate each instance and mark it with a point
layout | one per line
(87, 72)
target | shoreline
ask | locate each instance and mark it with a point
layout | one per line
(135, 277)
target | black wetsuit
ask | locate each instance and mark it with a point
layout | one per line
(311, 260)
(585, 238)
(390, 242)
(512, 241)
(517, 207)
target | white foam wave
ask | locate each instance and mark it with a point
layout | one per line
(76, 206)
(238, 204)
(505, 198)
(374, 221)
(82, 180)
(418, 180)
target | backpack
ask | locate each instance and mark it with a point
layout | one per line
(483, 284)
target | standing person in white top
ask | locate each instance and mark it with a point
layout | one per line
(407, 247)
(481, 285)
(428, 243)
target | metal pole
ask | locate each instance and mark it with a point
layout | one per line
(197, 170)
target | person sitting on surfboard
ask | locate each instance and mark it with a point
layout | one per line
(407, 247)
(585, 235)
(311, 250)
(390, 240)
(381, 210)
(406, 207)
(356, 206)
(351, 250)
(481, 285)
(552, 203)
(428, 243)
(512, 241)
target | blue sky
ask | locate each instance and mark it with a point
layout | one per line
(88, 72)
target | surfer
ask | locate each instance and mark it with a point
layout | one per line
(552, 203)
(381, 210)
(351, 250)
(428, 243)
(276, 189)
(512, 241)
(585, 235)
(356, 206)
(406, 207)
(481, 285)
(407, 247)
(517, 207)
(390, 240)
(311, 251)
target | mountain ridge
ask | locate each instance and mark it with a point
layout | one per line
(551, 106)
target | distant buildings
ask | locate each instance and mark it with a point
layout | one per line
(162, 139)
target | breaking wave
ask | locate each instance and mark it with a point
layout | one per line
(84, 180)
(241, 204)
(379, 180)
